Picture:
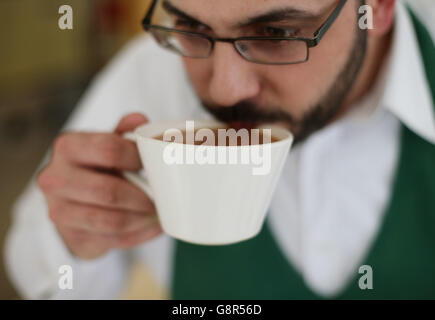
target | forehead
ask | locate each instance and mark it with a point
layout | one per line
(232, 11)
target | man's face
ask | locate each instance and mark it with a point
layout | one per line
(303, 97)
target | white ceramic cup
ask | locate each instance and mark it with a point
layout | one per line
(208, 204)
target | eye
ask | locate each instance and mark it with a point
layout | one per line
(189, 25)
(279, 32)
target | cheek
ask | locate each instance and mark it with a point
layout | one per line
(199, 72)
(297, 88)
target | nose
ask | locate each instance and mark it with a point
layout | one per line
(233, 78)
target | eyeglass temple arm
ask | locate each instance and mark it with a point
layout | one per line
(318, 35)
(147, 20)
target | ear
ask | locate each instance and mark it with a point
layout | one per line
(383, 16)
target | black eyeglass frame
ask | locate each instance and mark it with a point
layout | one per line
(310, 42)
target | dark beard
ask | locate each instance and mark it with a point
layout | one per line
(247, 114)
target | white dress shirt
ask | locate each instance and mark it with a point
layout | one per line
(327, 208)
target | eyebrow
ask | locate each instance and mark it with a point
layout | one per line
(277, 15)
(179, 13)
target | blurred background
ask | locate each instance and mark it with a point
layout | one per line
(43, 73)
(45, 70)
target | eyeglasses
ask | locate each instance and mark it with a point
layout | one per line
(262, 50)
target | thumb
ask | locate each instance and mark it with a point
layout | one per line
(131, 122)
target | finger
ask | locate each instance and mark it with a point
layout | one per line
(83, 244)
(87, 186)
(108, 151)
(87, 244)
(131, 122)
(136, 238)
(98, 220)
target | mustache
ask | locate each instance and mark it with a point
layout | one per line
(247, 112)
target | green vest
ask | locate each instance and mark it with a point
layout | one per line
(402, 256)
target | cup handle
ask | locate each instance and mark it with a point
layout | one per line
(138, 180)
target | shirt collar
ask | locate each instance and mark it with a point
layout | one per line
(406, 93)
